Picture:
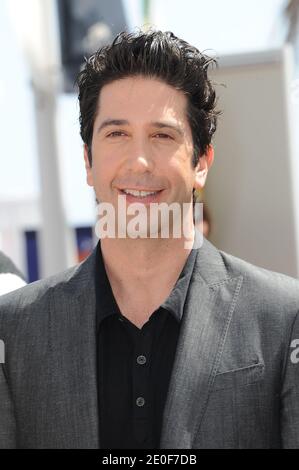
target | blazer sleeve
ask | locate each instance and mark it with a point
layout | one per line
(7, 416)
(290, 392)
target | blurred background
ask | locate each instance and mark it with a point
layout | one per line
(47, 212)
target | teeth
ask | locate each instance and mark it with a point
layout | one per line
(135, 193)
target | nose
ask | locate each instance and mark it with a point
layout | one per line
(139, 158)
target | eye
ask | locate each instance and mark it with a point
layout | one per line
(116, 134)
(163, 136)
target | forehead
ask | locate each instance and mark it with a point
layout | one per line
(141, 99)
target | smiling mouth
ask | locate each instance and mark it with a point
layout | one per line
(140, 194)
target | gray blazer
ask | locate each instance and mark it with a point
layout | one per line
(235, 380)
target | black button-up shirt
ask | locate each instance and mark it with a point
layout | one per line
(134, 365)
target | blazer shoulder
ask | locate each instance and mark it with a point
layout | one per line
(266, 287)
(34, 293)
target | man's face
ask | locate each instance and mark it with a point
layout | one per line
(142, 142)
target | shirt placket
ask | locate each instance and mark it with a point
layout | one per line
(140, 386)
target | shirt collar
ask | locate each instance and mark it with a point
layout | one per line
(175, 302)
(106, 304)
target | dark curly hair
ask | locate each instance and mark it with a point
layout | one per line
(159, 55)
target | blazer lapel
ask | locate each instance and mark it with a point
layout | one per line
(73, 331)
(208, 310)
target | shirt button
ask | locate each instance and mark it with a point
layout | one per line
(141, 360)
(140, 401)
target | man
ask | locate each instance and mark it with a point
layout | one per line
(10, 276)
(149, 343)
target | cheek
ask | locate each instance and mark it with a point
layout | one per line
(103, 174)
(105, 157)
(182, 159)
(182, 171)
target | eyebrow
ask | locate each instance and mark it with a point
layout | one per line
(162, 125)
(112, 122)
(124, 122)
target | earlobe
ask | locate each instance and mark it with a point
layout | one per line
(208, 157)
(89, 177)
(204, 163)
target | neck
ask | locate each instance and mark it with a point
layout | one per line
(135, 269)
(142, 259)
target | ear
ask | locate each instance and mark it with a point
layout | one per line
(201, 171)
(89, 177)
